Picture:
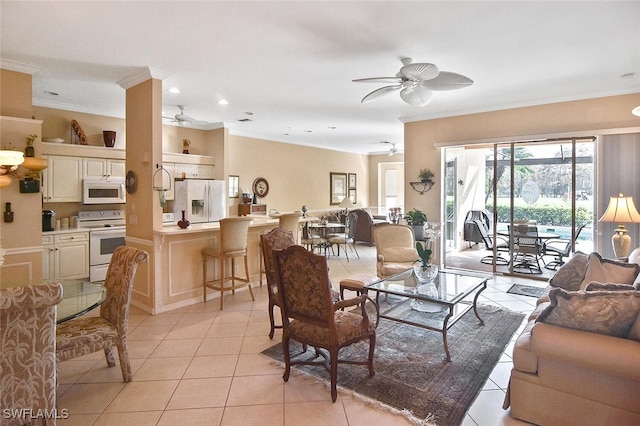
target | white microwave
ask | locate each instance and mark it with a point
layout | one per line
(103, 191)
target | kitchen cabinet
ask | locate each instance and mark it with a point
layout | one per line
(62, 180)
(194, 171)
(65, 255)
(99, 168)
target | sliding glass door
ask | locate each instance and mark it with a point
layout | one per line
(545, 187)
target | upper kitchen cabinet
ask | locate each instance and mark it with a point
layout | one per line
(194, 171)
(103, 168)
(62, 180)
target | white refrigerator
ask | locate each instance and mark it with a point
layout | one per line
(202, 200)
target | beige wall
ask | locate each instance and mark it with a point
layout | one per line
(15, 94)
(590, 115)
(296, 174)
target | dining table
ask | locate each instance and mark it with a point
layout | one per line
(325, 230)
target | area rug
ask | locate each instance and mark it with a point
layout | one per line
(410, 372)
(526, 290)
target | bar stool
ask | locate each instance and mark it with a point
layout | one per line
(233, 243)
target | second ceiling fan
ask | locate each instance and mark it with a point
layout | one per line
(416, 82)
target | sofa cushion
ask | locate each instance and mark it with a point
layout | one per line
(571, 274)
(607, 270)
(606, 312)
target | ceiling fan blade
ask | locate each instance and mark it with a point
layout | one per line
(416, 95)
(447, 81)
(419, 71)
(380, 92)
(378, 80)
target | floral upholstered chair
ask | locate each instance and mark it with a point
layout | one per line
(276, 239)
(27, 351)
(311, 317)
(85, 335)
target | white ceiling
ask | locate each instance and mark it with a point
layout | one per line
(291, 63)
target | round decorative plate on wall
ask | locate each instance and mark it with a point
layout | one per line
(131, 182)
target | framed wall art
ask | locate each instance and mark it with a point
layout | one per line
(352, 181)
(233, 186)
(353, 196)
(337, 187)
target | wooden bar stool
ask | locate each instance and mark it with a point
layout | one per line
(233, 243)
(357, 283)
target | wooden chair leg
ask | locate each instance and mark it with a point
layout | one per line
(246, 271)
(333, 354)
(204, 277)
(222, 278)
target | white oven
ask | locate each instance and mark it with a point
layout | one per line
(103, 191)
(107, 231)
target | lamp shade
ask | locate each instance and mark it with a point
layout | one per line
(346, 203)
(621, 209)
(11, 158)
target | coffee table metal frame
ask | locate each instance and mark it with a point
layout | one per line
(453, 288)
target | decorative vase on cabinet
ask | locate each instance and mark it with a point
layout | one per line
(183, 223)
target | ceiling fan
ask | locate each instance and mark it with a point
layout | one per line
(393, 148)
(416, 82)
(182, 119)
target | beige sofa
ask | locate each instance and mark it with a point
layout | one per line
(577, 362)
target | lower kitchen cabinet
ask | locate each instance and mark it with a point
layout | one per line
(65, 255)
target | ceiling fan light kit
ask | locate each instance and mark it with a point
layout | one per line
(416, 83)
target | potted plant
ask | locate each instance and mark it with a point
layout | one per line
(416, 219)
(30, 151)
(426, 175)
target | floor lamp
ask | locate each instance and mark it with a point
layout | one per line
(621, 210)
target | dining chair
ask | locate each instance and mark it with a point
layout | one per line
(527, 248)
(560, 248)
(27, 350)
(395, 249)
(87, 334)
(276, 239)
(310, 316)
(312, 239)
(234, 232)
(347, 237)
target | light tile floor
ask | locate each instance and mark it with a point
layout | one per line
(198, 365)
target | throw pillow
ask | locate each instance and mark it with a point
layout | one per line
(596, 286)
(607, 270)
(571, 274)
(634, 333)
(606, 312)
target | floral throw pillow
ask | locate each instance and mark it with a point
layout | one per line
(609, 271)
(571, 274)
(606, 312)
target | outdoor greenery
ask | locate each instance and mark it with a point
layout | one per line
(544, 215)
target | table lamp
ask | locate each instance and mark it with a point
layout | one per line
(621, 210)
(347, 204)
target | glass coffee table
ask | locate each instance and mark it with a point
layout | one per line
(405, 302)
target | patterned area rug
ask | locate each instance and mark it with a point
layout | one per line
(410, 372)
(526, 290)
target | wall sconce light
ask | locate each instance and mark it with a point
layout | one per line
(9, 162)
(621, 210)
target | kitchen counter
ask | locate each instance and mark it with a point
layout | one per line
(172, 229)
(64, 231)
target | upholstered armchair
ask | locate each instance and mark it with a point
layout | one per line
(84, 335)
(365, 225)
(310, 316)
(28, 351)
(395, 249)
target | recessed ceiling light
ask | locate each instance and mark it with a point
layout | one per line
(47, 92)
(223, 102)
(248, 113)
(174, 90)
(244, 120)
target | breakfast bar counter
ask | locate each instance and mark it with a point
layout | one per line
(178, 265)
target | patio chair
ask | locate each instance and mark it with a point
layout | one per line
(560, 248)
(527, 249)
(501, 247)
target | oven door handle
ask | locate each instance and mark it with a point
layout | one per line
(109, 231)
